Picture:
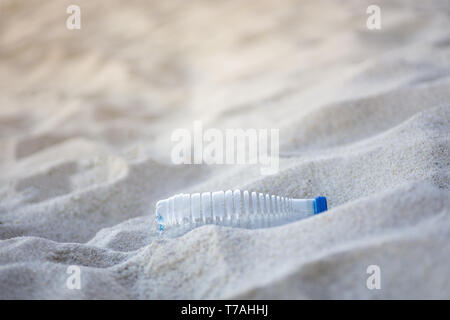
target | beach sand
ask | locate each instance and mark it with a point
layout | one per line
(86, 118)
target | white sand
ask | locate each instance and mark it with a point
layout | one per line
(85, 124)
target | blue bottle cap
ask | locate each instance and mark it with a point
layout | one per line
(320, 205)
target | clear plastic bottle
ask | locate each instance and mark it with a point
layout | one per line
(234, 208)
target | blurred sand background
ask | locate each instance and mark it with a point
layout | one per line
(85, 123)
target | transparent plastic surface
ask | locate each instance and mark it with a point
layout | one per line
(236, 208)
